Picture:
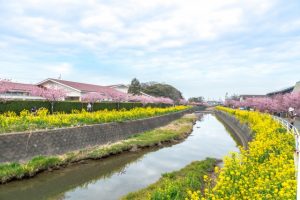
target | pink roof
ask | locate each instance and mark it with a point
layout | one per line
(18, 86)
(85, 87)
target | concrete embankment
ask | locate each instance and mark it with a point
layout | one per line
(241, 132)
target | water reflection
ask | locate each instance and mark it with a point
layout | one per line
(116, 176)
(45, 185)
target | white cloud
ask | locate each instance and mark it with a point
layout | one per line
(138, 23)
(32, 72)
(61, 68)
(235, 44)
(290, 26)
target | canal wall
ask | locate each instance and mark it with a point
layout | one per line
(240, 132)
(25, 145)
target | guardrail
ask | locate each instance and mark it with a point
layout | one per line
(293, 130)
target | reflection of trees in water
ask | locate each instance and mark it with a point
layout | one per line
(105, 169)
(56, 184)
(199, 116)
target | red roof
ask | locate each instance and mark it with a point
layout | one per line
(19, 86)
(85, 87)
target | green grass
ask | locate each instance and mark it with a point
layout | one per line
(176, 130)
(18, 171)
(174, 185)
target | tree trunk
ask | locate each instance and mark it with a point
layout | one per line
(52, 107)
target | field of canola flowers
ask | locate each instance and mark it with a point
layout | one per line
(265, 171)
(10, 122)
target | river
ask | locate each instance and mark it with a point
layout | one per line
(113, 177)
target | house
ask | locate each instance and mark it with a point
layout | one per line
(282, 91)
(17, 91)
(75, 90)
(243, 97)
(124, 88)
(120, 87)
(295, 88)
(214, 103)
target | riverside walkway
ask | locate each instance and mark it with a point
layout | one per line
(297, 124)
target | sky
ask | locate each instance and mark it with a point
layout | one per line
(203, 48)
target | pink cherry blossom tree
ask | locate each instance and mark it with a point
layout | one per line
(166, 100)
(183, 102)
(50, 94)
(139, 98)
(93, 97)
(3, 86)
(117, 96)
(280, 103)
(231, 103)
(277, 104)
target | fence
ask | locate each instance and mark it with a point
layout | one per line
(293, 130)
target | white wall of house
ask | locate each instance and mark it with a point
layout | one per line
(297, 87)
(124, 89)
(12, 96)
(71, 93)
(121, 88)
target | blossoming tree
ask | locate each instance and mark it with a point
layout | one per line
(117, 96)
(93, 97)
(277, 104)
(183, 102)
(4, 87)
(50, 94)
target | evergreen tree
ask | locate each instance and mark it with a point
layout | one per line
(196, 99)
(135, 87)
(161, 90)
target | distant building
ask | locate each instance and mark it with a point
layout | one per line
(74, 90)
(120, 87)
(295, 88)
(19, 91)
(246, 96)
(124, 88)
(214, 103)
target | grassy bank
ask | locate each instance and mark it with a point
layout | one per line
(176, 185)
(172, 132)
